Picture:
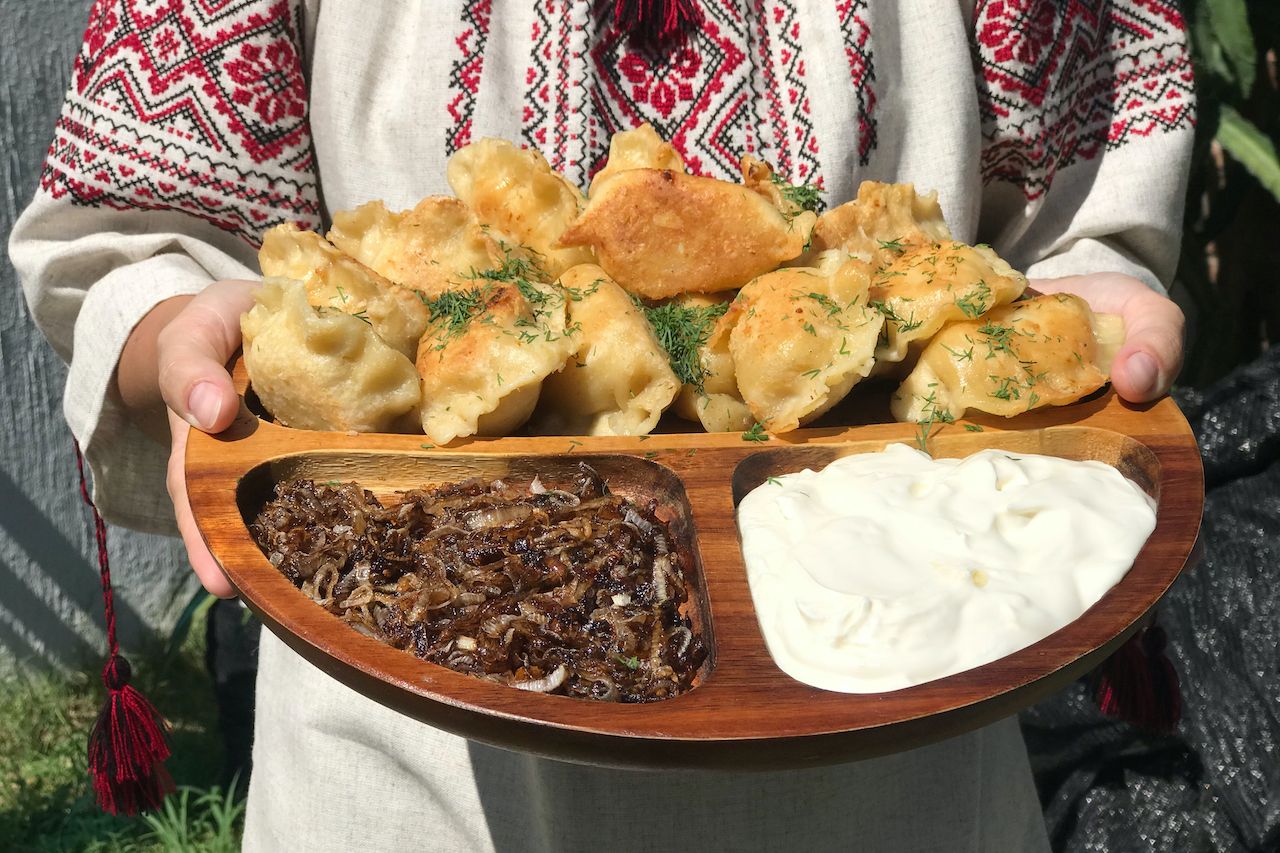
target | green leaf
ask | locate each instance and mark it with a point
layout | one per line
(1255, 151)
(1230, 20)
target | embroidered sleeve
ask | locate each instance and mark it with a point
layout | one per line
(189, 106)
(1087, 114)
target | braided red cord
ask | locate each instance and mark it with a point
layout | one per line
(129, 741)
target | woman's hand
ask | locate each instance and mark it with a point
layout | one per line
(1151, 357)
(179, 353)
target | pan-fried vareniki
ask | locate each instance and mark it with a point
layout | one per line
(933, 284)
(710, 395)
(338, 282)
(660, 233)
(485, 354)
(880, 222)
(316, 368)
(1047, 351)
(617, 380)
(516, 192)
(802, 338)
(434, 247)
(640, 148)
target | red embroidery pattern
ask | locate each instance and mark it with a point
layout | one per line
(857, 49)
(194, 107)
(464, 74)
(1062, 82)
(785, 101)
(552, 119)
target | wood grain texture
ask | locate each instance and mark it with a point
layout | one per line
(745, 713)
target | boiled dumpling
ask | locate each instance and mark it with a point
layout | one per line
(701, 324)
(437, 246)
(617, 380)
(933, 284)
(485, 354)
(320, 369)
(336, 281)
(882, 221)
(517, 193)
(1047, 351)
(640, 148)
(661, 233)
(802, 337)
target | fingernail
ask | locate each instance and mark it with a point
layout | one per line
(203, 405)
(1143, 372)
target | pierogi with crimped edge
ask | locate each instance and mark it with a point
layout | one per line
(1047, 351)
(882, 221)
(617, 380)
(485, 353)
(322, 369)
(933, 284)
(516, 192)
(712, 398)
(436, 246)
(660, 233)
(797, 204)
(640, 148)
(336, 281)
(802, 337)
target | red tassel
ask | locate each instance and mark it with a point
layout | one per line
(129, 741)
(1139, 685)
(655, 21)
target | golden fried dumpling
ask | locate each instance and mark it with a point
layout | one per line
(437, 246)
(660, 233)
(336, 281)
(795, 203)
(617, 380)
(485, 354)
(516, 192)
(1047, 351)
(880, 222)
(641, 148)
(316, 368)
(933, 284)
(710, 393)
(802, 338)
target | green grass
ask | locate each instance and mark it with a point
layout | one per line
(46, 802)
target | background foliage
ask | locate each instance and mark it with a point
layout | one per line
(1231, 244)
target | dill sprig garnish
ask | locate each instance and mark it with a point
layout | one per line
(975, 303)
(683, 330)
(756, 433)
(905, 324)
(451, 312)
(802, 197)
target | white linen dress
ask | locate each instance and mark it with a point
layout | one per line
(1058, 133)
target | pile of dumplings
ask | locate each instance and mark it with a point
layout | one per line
(521, 303)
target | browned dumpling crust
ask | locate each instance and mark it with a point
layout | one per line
(933, 284)
(437, 246)
(1047, 351)
(640, 148)
(880, 222)
(485, 354)
(335, 281)
(617, 380)
(661, 233)
(515, 192)
(802, 337)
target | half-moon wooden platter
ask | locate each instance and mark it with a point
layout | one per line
(744, 712)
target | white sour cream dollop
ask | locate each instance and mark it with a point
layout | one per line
(890, 569)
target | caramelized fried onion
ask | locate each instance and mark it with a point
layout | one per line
(565, 589)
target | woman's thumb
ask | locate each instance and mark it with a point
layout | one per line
(193, 351)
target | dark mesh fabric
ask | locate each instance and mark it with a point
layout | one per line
(1215, 785)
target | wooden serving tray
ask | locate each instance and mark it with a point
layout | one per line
(744, 712)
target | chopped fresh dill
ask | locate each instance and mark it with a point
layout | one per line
(643, 437)
(973, 427)
(960, 355)
(632, 662)
(361, 315)
(452, 311)
(812, 374)
(693, 451)
(976, 302)
(756, 433)
(683, 331)
(651, 454)
(773, 481)
(574, 443)
(904, 325)
(342, 294)
(427, 446)
(808, 327)
(800, 196)
(894, 245)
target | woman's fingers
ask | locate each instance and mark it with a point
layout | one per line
(193, 350)
(1151, 357)
(202, 561)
